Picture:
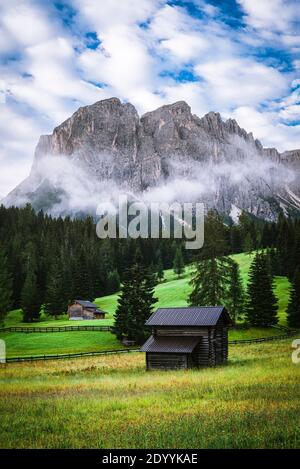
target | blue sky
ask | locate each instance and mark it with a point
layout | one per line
(238, 57)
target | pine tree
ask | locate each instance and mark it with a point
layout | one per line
(113, 282)
(31, 298)
(261, 308)
(235, 239)
(248, 244)
(236, 295)
(135, 303)
(178, 264)
(5, 286)
(293, 309)
(294, 262)
(210, 282)
(55, 301)
(120, 328)
(160, 270)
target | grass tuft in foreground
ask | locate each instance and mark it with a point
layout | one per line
(112, 402)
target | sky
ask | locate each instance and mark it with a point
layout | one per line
(237, 57)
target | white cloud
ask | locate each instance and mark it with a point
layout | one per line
(266, 127)
(193, 93)
(276, 15)
(241, 81)
(54, 72)
(27, 23)
(19, 135)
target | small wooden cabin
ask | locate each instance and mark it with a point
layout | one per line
(187, 337)
(81, 309)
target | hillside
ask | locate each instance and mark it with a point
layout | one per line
(172, 292)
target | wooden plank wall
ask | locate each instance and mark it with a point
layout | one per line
(156, 361)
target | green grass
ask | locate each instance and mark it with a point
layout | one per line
(172, 292)
(112, 402)
(18, 345)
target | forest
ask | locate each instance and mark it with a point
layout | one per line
(47, 262)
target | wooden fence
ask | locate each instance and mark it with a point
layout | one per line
(28, 330)
(262, 339)
(288, 333)
(68, 355)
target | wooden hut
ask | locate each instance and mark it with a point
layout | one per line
(81, 309)
(187, 337)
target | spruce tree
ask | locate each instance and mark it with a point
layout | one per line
(160, 270)
(248, 244)
(293, 309)
(55, 301)
(210, 282)
(30, 299)
(261, 308)
(5, 286)
(121, 321)
(178, 264)
(113, 282)
(135, 303)
(236, 294)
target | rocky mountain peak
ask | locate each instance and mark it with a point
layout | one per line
(110, 144)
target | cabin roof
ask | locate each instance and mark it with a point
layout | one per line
(86, 304)
(188, 316)
(170, 344)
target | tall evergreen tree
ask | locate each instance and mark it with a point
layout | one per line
(5, 286)
(31, 300)
(135, 303)
(55, 301)
(261, 308)
(113, 282)
(210, 282)
(293, 309)
(178, 264)
(248, 244)
(236, 294)
(160, 270)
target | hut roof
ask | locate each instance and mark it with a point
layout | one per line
(188, 316)
(86, 304)
(170, 344)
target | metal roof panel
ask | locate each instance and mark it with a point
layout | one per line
(170, 344)
(187, 316)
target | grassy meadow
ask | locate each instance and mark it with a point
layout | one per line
(112, 402)
(172, 292)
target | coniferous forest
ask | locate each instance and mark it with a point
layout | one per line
(51, 261)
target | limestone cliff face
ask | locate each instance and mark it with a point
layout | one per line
(110, 142)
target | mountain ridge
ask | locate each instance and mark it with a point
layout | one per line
(114, 147)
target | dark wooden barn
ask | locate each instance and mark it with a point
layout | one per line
(187, 337)
(81, 309)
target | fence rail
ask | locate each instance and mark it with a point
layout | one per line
(29, 330)
(68, 355)
(288, 333)
(262, 339)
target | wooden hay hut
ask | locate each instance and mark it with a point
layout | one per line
(82, 309)
(187, 337)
